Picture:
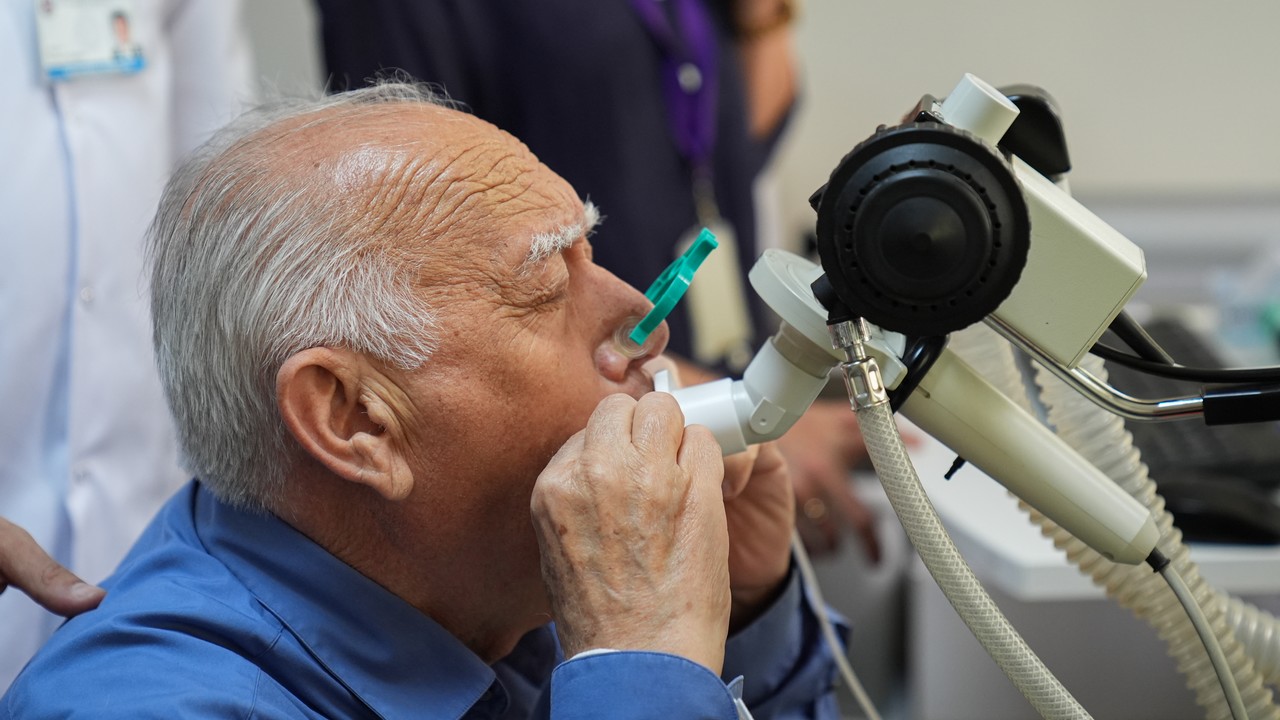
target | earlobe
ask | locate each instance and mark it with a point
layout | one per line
(325, 401)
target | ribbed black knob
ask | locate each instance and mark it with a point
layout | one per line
(922, 229)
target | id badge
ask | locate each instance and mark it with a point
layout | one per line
(716, 304)
(87, 37)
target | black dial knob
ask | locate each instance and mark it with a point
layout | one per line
(922, 229)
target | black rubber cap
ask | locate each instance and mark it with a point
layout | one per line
(922, 229)
(1037, 135)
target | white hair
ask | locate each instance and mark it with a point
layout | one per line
(251, 264)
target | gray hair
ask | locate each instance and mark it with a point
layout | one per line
(250, 265)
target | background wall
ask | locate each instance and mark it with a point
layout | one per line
(1158, 97)
(286, 44)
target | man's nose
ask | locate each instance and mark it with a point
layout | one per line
(621, 307)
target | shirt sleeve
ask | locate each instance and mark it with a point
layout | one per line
(638, 685)
(788, 674)
(788, 670)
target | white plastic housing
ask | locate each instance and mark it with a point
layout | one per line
(782, 280)
(953, 403)
(1080, 273)
(789, 371)
(959, 407)
(776, 389)
(712, 405)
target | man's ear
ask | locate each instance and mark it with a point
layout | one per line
(326, 402)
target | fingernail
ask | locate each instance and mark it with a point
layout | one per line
(84, 591)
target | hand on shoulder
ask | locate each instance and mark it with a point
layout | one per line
(24, 565)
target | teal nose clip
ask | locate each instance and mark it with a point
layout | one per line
(671, 285)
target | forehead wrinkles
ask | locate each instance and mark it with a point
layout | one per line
(497, 180)
(460, 189)
(457, 194)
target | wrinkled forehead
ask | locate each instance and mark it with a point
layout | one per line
(463, 183)
(528, 210)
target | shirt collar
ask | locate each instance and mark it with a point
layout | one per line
(394, 658)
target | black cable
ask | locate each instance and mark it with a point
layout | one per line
(1157, 560)
(1136, 337)
(920, 355)
(1178, 372)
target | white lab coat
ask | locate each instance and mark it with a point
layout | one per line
(87, 448)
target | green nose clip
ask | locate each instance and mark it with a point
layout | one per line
(671, 285)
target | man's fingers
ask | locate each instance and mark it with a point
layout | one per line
(26, 566)
(700, 455)
(738, 470)
(653, 425)
(657, 425)
(70, 596)
(610, 423)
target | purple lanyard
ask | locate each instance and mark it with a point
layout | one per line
(688, 73)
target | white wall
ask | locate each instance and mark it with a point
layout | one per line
(286, 45)
(1171, 97)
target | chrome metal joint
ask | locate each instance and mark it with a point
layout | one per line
(862, 377)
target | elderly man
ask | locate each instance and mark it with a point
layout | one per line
(384, 342)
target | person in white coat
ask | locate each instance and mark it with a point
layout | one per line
(88, 138)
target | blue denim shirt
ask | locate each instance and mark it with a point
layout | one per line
(218, 612)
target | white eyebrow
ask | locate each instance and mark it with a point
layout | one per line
(544, 245)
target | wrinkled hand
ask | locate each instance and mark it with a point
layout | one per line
(822, 448)
(631, 523)
(27, 567)
(760, 509)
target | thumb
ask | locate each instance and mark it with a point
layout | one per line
(29, 568)
(66, 594)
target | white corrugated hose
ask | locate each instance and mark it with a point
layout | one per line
(1248, 635)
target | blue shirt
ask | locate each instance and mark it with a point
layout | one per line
(218, 612)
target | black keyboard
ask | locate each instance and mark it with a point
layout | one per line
(1246, 452)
